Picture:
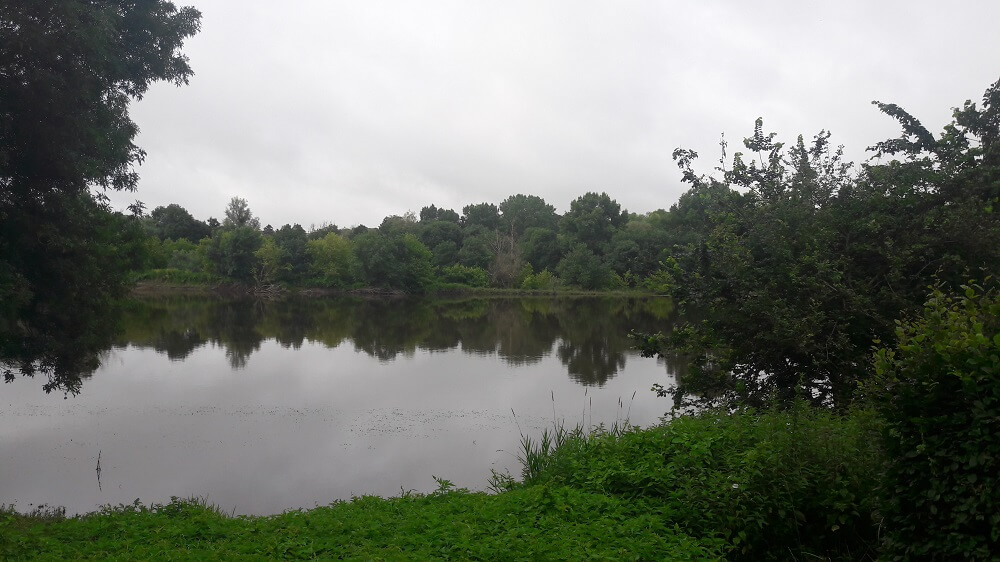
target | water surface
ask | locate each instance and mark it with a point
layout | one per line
(263, 406)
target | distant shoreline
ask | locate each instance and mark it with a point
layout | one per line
(158, 288)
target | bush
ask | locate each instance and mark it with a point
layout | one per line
(183, 254)
(467, 276)
(541, 281)
(584, 269)
(939, 392)
(663, 281)
(774, 485)
(333, 262)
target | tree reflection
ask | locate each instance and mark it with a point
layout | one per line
(234, 327)
(589, 362)
(588, 335)
(65, 348)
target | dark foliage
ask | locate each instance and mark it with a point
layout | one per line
(174, 222)
(939, 392)
(68, 71)
(799, 264)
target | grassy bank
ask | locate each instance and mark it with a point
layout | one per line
(742, 486)
(172, 281)
(539, 522)
(779, 485)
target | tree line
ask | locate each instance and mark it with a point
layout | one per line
(520, 243)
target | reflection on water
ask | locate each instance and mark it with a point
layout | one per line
(262, 406)
(590, 334)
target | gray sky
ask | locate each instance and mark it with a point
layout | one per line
(327, 111)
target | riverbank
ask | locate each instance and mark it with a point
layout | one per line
(537, 522)
(158, 287)
(748, 485)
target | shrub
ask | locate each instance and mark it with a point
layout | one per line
(939, 393)
(462, 275)
(774, 484)
(332, 262)
(183, 254)
(541, 281)
(584, 269)
(663, 281)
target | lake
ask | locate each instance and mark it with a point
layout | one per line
(261, 406)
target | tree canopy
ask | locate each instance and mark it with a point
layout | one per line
(798, 264)
(68, 72)
(174, 222)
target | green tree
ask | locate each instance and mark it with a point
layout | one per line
(592, 219)
(174, 222)
(232, 253)
(232, 250)
(431, 213)
(238, 215)
(292, 239)
(449, 215)
(582, 268)
(445, 254)
(317, 233)
(270, 262)
(437, 232)
(477, 247)
(542, 281)
(796, 264)
(540, 247)
(485, 215)
(520, 212)
(67, 74)
(398, 225)
(333, 263)
(394, 262)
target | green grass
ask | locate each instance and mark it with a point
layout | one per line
(540, 522)
(773, 485)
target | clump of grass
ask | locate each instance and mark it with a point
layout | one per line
(536, 453)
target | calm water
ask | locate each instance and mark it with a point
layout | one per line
(266, 406)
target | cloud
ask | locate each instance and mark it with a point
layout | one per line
(347, 112)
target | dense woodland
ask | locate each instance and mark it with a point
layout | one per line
(802, 279)
(519, 243)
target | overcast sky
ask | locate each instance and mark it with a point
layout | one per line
(326, 111)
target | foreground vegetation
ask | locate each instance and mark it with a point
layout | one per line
(912, 471)
(545, 523)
